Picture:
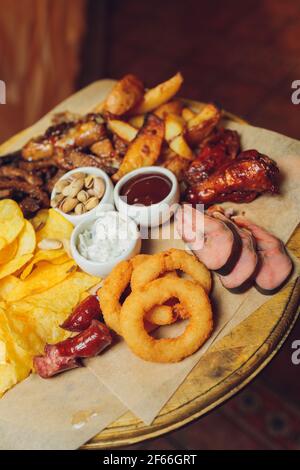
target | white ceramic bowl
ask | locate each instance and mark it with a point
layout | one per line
(155, 214)
(103, 269)
(106, 203)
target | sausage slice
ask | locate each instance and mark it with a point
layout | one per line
(215, 242)
(275, 264)
(242, 276)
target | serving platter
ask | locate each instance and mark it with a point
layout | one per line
(230, 364)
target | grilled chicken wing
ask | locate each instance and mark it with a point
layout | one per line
(222, 146)
(240, 180)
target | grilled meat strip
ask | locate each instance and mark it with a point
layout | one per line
(82, 133)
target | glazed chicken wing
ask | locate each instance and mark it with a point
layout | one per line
(222, 146)
(240, 180)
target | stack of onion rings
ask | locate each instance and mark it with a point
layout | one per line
(194, 300)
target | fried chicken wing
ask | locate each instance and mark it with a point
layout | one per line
(221, 147)
(240, 180)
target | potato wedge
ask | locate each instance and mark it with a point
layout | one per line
(160, 94)
(122, 129)
(188, 114)
(202, 124)
(174, 126)
(125, 95)
(181, 147)
(144, 150)
(137, 121)
(172, 107)
(103, 148)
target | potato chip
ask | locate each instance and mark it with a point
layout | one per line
(7, 285)
(14, 265)
(42, 278)
(48, 310)
(16, 362)
(44, 255)
(39, 220)
(56, 227)
(8, 252)
(11, 221)
(26, 240)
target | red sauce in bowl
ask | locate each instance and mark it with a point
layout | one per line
(146, 189)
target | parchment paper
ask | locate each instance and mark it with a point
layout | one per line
(39, 414)
(145, 387)
(60, 413)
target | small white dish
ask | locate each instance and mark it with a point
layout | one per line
(106, 203)
(154, 214)
(95, 268)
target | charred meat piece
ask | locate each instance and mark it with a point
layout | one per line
(82, 133)
(275, 264)
(222, 147)
(215, 242)
(12, 172)
(251, 172)
(69, 159)
(37, 165)
(33, 196)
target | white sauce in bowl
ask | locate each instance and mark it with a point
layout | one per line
(108, 237)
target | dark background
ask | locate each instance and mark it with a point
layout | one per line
(242, 55)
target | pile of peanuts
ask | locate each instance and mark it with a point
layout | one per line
(79, 193)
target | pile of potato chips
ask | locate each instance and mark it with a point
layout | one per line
(38, 288)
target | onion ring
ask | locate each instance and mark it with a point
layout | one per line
(194, 300)
(114, 286)
(156, 265)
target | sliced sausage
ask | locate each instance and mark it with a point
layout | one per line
(275, 264)
(244, 271)
(216, 243)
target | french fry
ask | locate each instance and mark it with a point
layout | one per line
(202, 124)
(144, 150)
(174, 126)
(180, 146)
(125, 95)
(122, 129)
(172, 107)
(188, 114)
(137, 121)
(159, 95)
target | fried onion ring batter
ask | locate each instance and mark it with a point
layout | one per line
(114, 286)
(170, 260)
(194, 300)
